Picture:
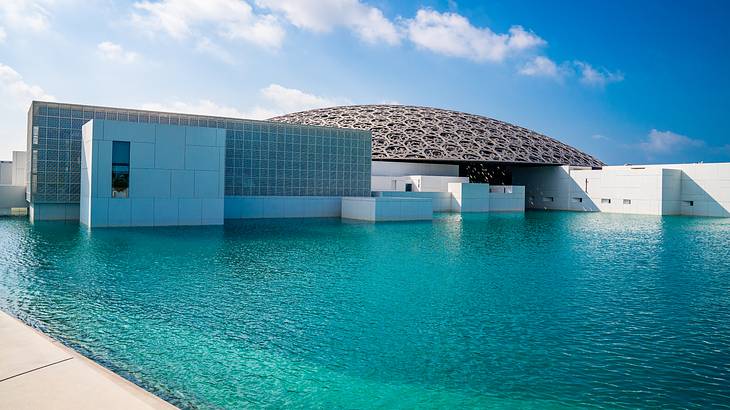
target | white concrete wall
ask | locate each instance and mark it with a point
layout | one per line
(441, 200)
(6, 173)
(20, 163)
(376, 209)
(399, 169)
(469, 197)
(707, 186)
(506, 198)
(245, 207)
(11, 198)
(176, 175)
(629, 190)
(420, 183)
(673, 189)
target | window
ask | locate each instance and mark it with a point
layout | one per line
(627, 202)
(605, 200)
(120, 169)
(409, 187)
(578, 199)
(690, 203)
(548, 199)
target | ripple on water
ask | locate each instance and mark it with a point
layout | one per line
(537, 310)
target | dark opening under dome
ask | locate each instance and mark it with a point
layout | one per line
(403, 132)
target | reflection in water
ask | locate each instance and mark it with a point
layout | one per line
(474, 310)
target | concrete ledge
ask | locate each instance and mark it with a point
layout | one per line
(441, 200)
(377, 209)
(37, 372)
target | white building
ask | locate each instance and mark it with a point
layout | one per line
(673, 189)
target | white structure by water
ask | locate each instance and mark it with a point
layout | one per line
(147, 168)
(13, 180)
(674, 189)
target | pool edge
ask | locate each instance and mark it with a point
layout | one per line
(37, 371)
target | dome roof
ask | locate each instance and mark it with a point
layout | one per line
(430, 134)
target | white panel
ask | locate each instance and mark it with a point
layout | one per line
(183, 184)
(166, 211)
(99, 212)
(142, 211)
(170, 147)
(149, 183)
(190, 211)
(119, 212)
(202, 158)
(141, 155)
(206, 184)
(103, 168)
(212, 211)
(201, 136)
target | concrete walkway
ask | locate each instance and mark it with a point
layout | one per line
(37, 372)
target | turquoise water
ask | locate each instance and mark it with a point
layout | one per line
(537, 310)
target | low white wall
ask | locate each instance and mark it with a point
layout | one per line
(707, 187)
(11, 197)
(6, 173)
(20, 163)
(391, 168)
(672, 189)
(377, 209)
(441, 200)
(469, 197)
(506, 198)
(419, 183)
(249, 207)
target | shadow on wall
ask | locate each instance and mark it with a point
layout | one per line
(697, 201)
(577, 200)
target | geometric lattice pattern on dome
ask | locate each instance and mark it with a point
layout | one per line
(422, 133)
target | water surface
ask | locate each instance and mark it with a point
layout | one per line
(495, 311)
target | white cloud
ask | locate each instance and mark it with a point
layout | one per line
(666, 142)
(201, 107)
(542, 66)
(15, 97)
(15, 90)
(453, 35)
(597, 77)
(286, 100)
(116, 53)
(230, 19)
(3, 35)
(275, 100)
(207, 46)
(322, 16)
(30, 15)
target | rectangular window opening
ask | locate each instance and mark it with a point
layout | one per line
(120, 169)
(605, 200)
(627, 202)
(548, 199)
(690, 203)
(577, 199)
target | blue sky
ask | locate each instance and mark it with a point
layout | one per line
(628, 82)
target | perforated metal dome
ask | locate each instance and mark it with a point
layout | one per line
(419, 133)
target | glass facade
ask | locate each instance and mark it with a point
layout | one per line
(262, 158)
